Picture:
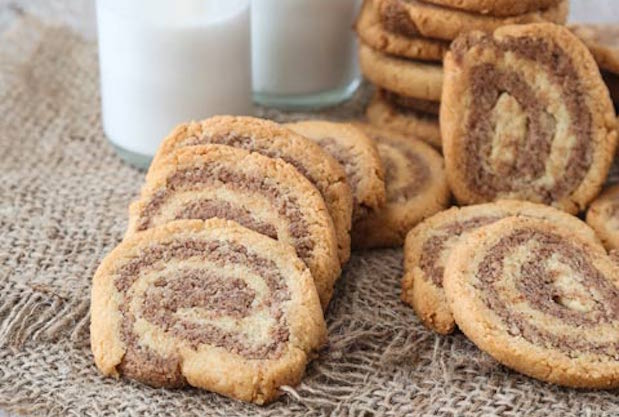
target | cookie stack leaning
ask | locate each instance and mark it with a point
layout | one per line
(230, 257)
(403, 42)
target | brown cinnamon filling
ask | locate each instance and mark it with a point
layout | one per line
(433, 247)
(342, 154)
(491, 86)
(416, 171)
(395, 18)
(287, 205)
(536, 284)
(197, 289)
(207, 209)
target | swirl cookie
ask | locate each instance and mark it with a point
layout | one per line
(402, 76)
(385, 112)
(208, 304)
(378, 36)
(263, 194)
(416, 188)
(497, 7)
(429, 244)
(603, 42)
(603, 217)
(525, 115)
(357, 154)
(540, 300)
(419, 18)
(272, 140)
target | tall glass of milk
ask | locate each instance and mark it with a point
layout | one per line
(303, 52)
(164, 62)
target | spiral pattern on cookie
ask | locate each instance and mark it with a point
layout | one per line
(266, 195)
(429, 244)
(540, 300)
(210, 304)
(271, 139)
(525, 114)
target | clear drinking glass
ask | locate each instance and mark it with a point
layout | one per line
(304, 52)
(165, 62)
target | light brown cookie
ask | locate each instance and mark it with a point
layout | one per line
(264, 194)
(497, 7)
(525, 115)
(603, 216)
(603, 42)
(403, 76)
(418, 18)
(358, 155)
(386, 114)
(208, 304)
(540, 300)
(416, 189)
(429, 244)
(273, 140)
(377, 35)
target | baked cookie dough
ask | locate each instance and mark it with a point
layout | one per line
(358, 155)
(208, 304)
(497, 7)
(273, 140)
(416, 189)
(603, 42)
(387, 114)
(418, 18)
(603, 217)
(377, 35)
(266, 195)
(540, 300)
(429, 244)
(525, 115)
(410, 78)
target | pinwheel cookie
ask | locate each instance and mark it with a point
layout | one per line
(272, 140)
(525, 115)
(603, 216)
(208, 304)
(266, 195)
(429, 244)
(540, 300)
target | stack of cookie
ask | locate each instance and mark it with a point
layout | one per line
(525, 116)
(236, 242)
(402, 44)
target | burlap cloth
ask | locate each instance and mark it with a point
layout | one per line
(63, 206)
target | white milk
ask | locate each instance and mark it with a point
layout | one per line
(164, 62)
(303, 48)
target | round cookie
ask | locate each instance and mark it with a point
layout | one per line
(403, 76)
(603, 42)
(386, 114)
(497, 7)
(540, 300)
(208, 304)
(603, 217)
(525, 115)
(418, 18)
(416, 188)
(266, 195)
(377, 35)
(357, 154)
(429, 244)
(273, 140)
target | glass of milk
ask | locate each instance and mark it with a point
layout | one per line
(164, 62)
(303, 52)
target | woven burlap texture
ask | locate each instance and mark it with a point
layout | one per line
(63, 206)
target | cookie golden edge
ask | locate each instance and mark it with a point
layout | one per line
(497, 8)
(233, 376)
(331, 181)
(429, 301)
(326, 268)
(603, 115)
(473, 318)
(599, 217)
